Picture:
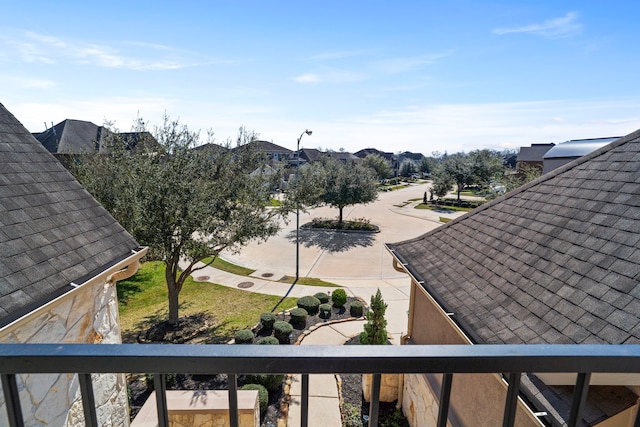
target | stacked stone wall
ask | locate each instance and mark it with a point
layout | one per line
(86, 315)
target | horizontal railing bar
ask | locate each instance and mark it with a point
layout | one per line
(247, 359)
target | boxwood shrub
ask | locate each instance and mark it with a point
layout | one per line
(244, 336)
(298, 316)
(325, 311)
(267, 320)
(323, 297)
(309, 303)
(282, 330)
(268, 341)
(339, 297)
(356, 309)
(263, 395)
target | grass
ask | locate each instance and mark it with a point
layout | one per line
(275, 203)
(308, 281)
(142, 301)
(442, 208)
(445, 220)
(223, 265)
(392, 187)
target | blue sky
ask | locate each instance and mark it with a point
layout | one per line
(421, 76)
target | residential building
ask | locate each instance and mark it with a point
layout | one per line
(568, 151)
(532, 157)
(554, 262)
(61, 256)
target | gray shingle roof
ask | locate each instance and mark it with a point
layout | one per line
(52, 231)
(72, 137)
(557, 261)
(533, 153)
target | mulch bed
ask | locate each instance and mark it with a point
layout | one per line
(191, 330)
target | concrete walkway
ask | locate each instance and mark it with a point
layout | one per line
(357, 262)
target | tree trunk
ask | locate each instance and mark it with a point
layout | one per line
(173, 293)
(340, 215)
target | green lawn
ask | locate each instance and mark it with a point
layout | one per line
(308, 281)
(442, 208)
(223, 265)
(143, 301)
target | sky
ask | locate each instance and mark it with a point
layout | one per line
(422, 76)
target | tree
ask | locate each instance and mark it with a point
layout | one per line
(379, 164)
(427, 165)
(407, 167)
(375, 330)
(486, 165)
(459, 170)
(335, 183)
(184, 204)
(441, 186)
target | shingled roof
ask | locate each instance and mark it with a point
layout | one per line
(557, 261)
(53, 232)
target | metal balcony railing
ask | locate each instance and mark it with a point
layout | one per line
(512, 360)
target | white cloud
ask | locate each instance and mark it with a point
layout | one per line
(403, 65)
(35, 47)
(565, 26)
(27, 82)
(307, 78)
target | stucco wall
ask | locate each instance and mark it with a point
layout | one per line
(86, 315)
(476, 399)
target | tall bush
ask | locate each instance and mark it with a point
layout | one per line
(375, 330)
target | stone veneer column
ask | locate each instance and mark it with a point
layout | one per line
(86, 315)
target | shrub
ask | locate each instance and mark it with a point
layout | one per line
(263, 395)
(356, 309)
(339, 297)
(375, 331)
(267, 320)
(282, 330)
(244, 336)
(298, 316)
(325, 311)
(324, 298)
(268, 340)
(268, 381)
(309, 303)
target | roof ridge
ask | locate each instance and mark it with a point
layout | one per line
(541, 179)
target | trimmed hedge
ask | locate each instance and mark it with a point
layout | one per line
(324, 298)
(298, 316)
(356, 309)
(268, 341)
(339, 297)
(309, 303)
(269, 381)
(244, 336)
(263, 395)
(325, 311)
(267, 320)
(282, 330)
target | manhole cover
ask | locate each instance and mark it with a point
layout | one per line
(267, 275)
(202, 278)
(245, 285)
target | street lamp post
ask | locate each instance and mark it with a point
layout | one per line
(308, 132)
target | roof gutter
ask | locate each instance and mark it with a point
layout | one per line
(111, 273)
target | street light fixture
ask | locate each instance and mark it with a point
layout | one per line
(308, 132)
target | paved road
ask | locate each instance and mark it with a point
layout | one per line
(336, 255)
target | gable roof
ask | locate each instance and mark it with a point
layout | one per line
(72, 137)
(310, 154)
(556, 261)
(366, 151)
(53, 232)
(268, 147)
(533, 153)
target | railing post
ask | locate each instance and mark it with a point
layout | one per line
(374, 405)
(12, 400)
(160, 384)
(304, 401)
(445, 398)
(579, 398)
(88, 400)
(511, 402)
(232, 379)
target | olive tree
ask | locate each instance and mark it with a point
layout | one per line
(379, 164)
(186, 204)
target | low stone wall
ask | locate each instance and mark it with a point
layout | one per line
(86, 315)
(389, 387)
(202, 408)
